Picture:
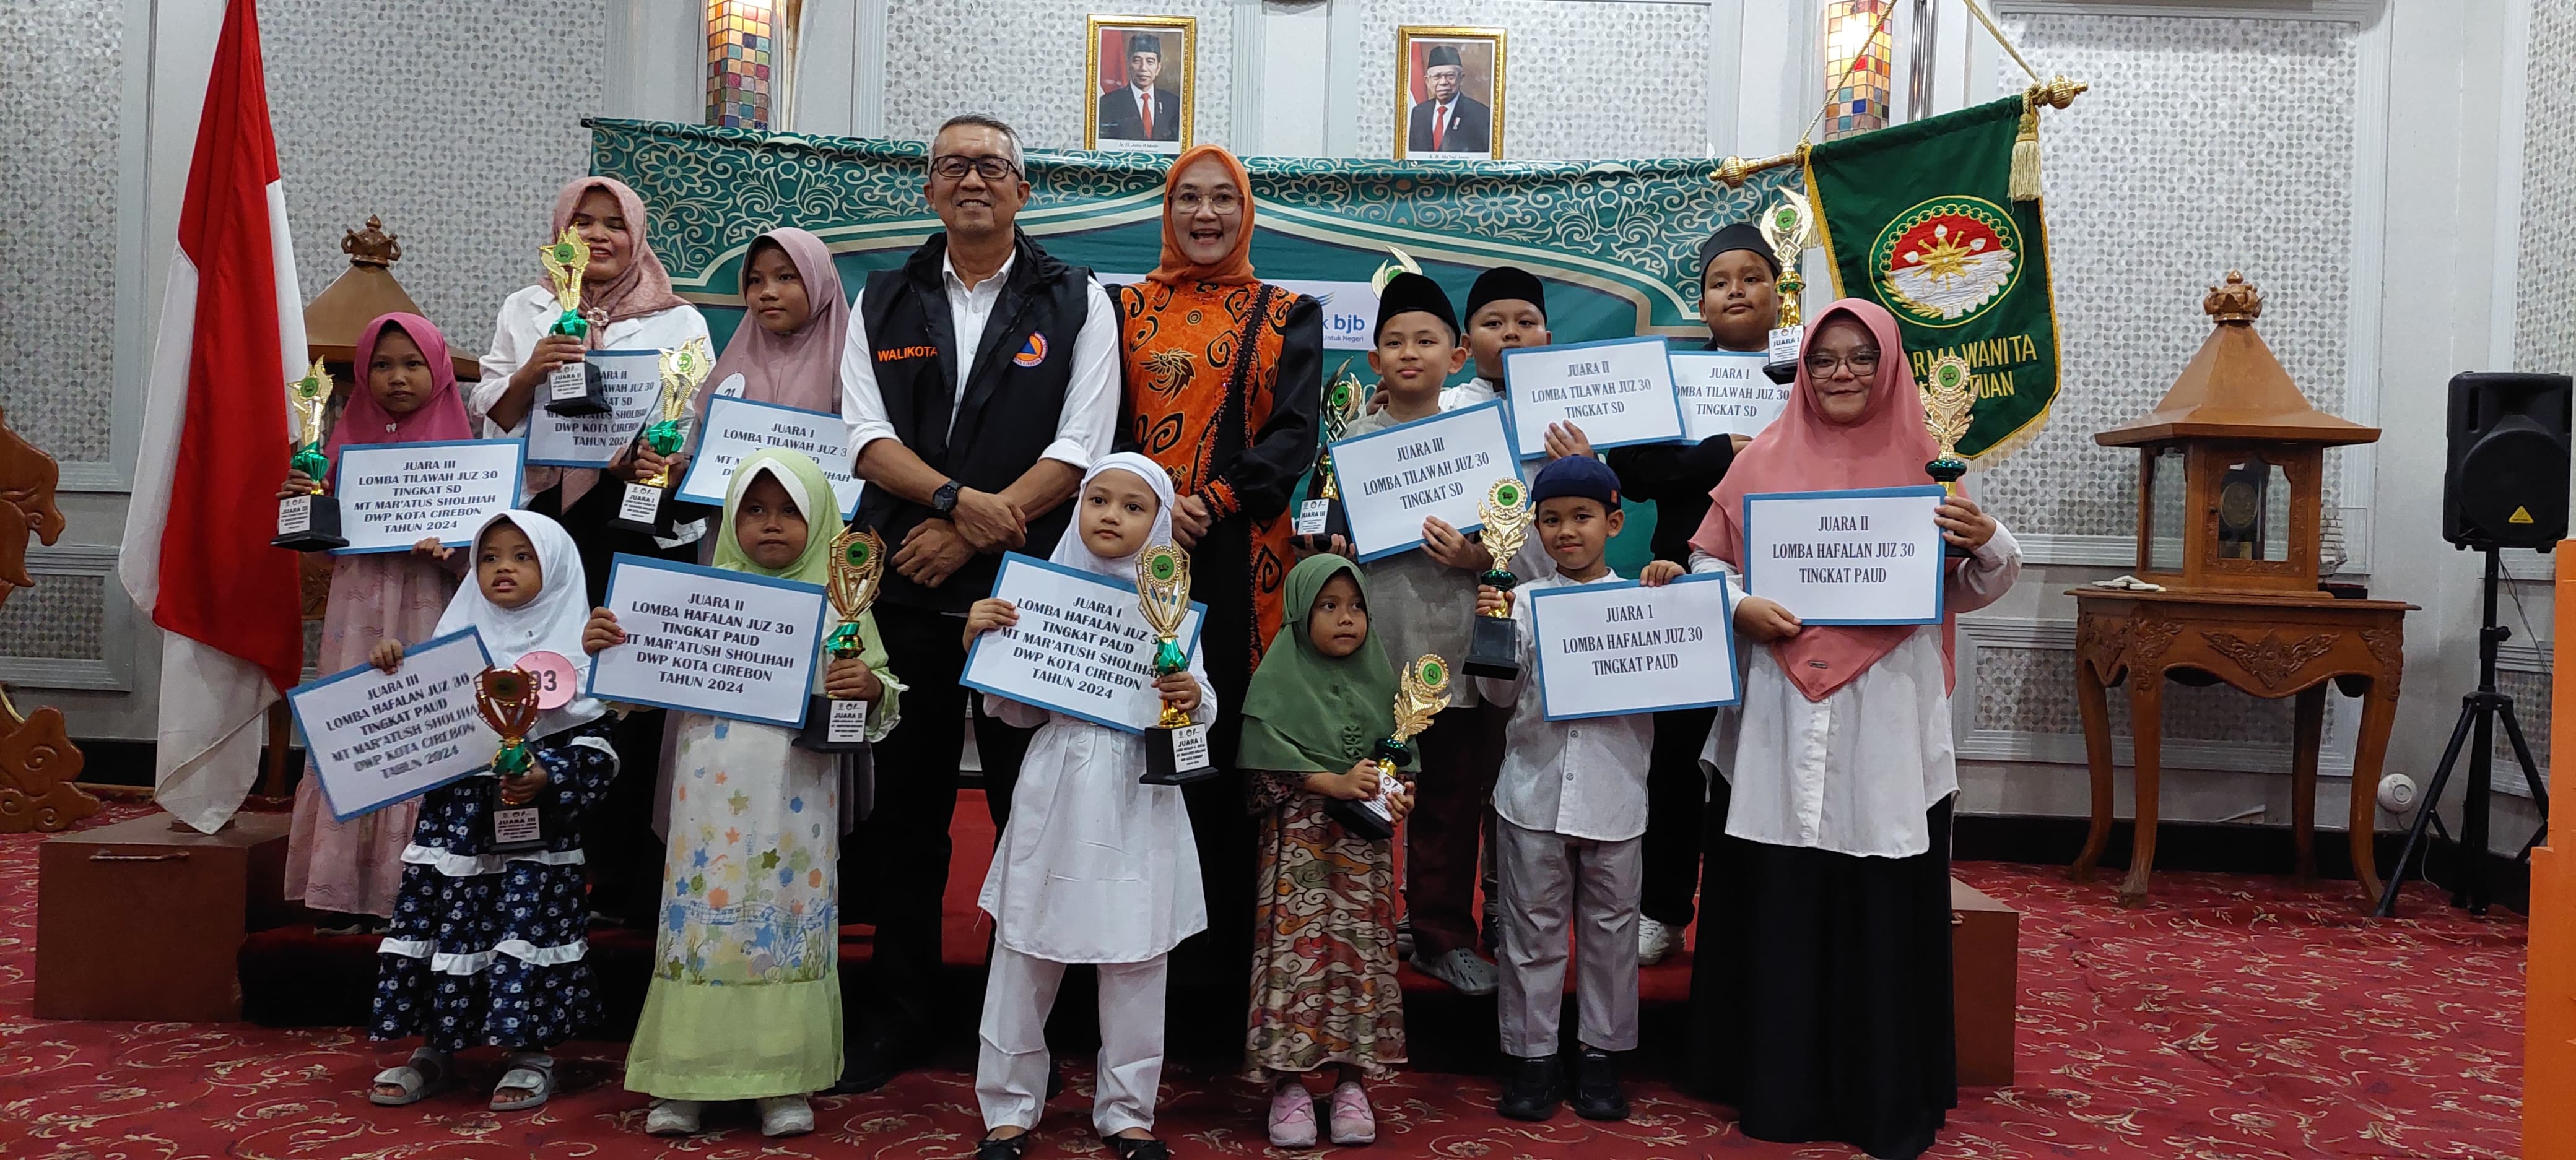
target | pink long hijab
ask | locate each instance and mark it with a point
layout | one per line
(441, 417)
(644, 287)
(1804, 451)
(802, 369)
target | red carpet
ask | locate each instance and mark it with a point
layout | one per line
(2237, 1017)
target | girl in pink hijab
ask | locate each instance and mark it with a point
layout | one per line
(1823, 1012)
(405, 393)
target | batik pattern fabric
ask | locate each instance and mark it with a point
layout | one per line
(490, 948)
(1205, 365)
(1323, 971)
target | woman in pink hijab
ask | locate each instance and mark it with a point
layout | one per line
(405, 393)
(1821, 1005)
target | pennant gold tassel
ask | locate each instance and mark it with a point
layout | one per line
(2057, 92)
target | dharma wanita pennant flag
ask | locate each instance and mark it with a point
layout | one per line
(1921, 219)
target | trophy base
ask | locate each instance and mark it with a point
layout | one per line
(646, 510)
(1494, 650)
(515, 829)
(1946, 472)
(1783, 348)
(834, 726)
(1783, 373)
(1177, 756)
(309, 523)
(576, 389)
(1359, 818)
(1319, 520)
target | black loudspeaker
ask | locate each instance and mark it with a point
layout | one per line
(2506, 483)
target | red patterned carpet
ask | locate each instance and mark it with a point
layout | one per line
(2237, 1017)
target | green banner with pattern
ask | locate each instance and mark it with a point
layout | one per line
(1920, 218)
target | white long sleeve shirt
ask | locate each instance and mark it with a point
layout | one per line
(1856, 772)
(1583, 778)
(1083, 429)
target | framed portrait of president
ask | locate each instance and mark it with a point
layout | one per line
(1449, 93)
(1142, 83)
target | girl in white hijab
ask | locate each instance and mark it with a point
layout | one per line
(489, 948)
(1093, 866)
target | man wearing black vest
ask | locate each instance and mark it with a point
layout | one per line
(979, 382)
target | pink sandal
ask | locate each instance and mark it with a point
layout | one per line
(1353, 1120)
(1292, 1116)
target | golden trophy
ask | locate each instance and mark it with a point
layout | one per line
(310, 523)
(1176, 751)
(1323, 517)
(1494, 649)
(1949, 398)
(646, 506)
(507, 700)
(1790, 228)
(573, 388)
(833, 725)
(1423, 690)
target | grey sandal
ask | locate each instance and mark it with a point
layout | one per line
(527, 1073)
(426, 1074)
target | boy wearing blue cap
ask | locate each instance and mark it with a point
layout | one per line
(1571, 810)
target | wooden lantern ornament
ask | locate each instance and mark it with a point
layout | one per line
(2231, 468)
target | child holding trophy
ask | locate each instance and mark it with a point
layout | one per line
(745, 999)
(347, 871)
(1320, 716)
(1094, 865)
(489, 930)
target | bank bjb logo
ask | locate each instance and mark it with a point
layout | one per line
(1946, 260)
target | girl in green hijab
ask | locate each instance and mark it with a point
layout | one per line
(745, 999)
(1324, 988)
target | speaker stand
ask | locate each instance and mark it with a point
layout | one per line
(2479, 713)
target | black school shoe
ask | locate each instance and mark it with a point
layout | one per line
(1596, 1087)
(870, 1061)
(1532, 1090)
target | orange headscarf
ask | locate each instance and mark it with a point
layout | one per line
(1235, 269)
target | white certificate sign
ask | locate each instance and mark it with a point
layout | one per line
(1870, 556)
(378, 738)
(1618, 391)
(1395, 478)
(394, 495)
(1621, 647)
(1724, 392)
(737, 429)
(1082, 647)
(707, 640)
(633, 380)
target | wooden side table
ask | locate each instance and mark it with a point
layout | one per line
(2269, 645)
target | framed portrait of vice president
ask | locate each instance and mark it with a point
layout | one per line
(1449, 93)
(1142, 83)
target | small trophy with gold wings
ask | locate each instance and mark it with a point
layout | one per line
(1176, 751)
(1494, 649)
(1790, 227)
(1323, 517)
(646, 506)
(310, 522)
(1949, 400)
(1423, 690)
(575, 388)
(507, 700)
(857, 562)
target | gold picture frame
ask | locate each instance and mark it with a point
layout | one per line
(1480, 94)
(1108, 123)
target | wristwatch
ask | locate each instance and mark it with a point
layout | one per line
(944, 500)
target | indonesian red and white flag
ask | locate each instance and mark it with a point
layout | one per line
(196, 556)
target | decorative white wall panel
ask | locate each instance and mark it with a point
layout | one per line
(58, 100)
(1582, 80)
(2544, 310)
(1022, 61)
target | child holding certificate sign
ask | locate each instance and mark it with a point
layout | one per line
(1570, 810)
(489, 947)
(1323, 968)
(1093, 865)
(347, 871)
(1824, 1013)
(745, 999)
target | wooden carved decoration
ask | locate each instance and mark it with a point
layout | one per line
(2269, 660)
(37, 759)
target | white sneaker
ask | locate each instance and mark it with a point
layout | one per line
(785, 1116)
(673, 1118)
(1463, 970)
(1654, 941)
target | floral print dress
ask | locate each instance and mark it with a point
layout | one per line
(489, 948)
(1323, 969)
